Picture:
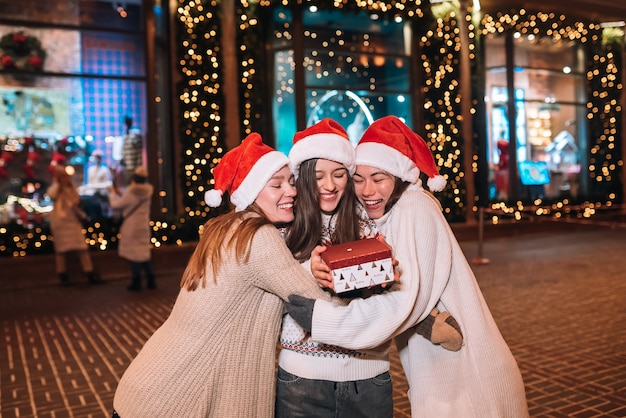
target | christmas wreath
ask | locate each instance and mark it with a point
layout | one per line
(21, 52)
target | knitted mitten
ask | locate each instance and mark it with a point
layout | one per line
(441, 328)
(301, 310)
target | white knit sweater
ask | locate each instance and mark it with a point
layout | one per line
(302, 356)
(215, 354)
(482, 379)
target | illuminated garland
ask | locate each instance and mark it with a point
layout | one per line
(200, 99)
(252, 59)
(442, 109)
(604, 114)
(21, 52)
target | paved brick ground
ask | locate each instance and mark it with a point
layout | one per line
(558, 296)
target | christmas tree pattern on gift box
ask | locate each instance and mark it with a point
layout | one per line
(362, 275)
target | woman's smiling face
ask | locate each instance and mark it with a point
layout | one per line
(332, 178)
(277, 197)
(373, 188)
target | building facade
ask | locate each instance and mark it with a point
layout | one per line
(521, 108)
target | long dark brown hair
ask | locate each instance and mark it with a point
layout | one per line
(305, 231)
(398, 188)
(216, 237)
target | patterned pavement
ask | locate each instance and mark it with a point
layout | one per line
(558, 296)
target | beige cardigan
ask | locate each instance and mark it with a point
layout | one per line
(215, 354)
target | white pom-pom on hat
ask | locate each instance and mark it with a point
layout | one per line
(436, 183)
(213, 198)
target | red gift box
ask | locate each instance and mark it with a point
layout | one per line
(359, 264)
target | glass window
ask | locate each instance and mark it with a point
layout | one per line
(284, 103)
(103, 14)
(550, 124)
(70, 115)
(89, 93)
(350, 75)
(112, 15)
(53, 12)
(112, 54)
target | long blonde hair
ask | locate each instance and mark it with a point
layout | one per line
(215, 242)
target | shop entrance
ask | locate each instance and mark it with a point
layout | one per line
(536, 118)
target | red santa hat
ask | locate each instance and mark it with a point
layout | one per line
(57, 159)
(244, 171)
(326, 139)
(390, 145)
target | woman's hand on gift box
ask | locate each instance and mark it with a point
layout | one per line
(320, 269)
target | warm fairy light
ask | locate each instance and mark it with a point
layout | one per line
(201, 99)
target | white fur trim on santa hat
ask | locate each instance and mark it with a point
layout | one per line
(388, 159)
(328, 146)
(257, 178)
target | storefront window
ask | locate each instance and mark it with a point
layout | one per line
(549, 129)
(350, 75)
(84, 96)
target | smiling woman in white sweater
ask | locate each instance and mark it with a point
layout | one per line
(215, 354)
(482, 379)
(320, 380)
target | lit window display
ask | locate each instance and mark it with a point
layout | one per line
(351, 76)
(73, 77)
(542, 147)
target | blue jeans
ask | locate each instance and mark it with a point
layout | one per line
(297, 397)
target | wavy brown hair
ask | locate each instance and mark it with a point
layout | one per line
(305, 231)
(399, 187)
(219, 235)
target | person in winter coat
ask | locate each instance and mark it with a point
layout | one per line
(215, 354)
(480, 380)
(66, 226)
(135, 232)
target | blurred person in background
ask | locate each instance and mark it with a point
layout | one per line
(95, 193)
(66, 226)
(135, 233)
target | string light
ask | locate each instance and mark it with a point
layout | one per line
(201, 96)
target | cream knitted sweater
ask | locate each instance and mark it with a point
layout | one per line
(482, 379)
(306, 358)
(215, 354)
